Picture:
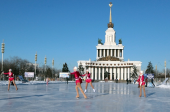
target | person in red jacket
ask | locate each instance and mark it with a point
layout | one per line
(88, 80)
(11, 78)
(141, 83)
(78, 82)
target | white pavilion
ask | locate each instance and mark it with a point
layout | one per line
(110, 59)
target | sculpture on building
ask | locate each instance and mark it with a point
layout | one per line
(120, 41)
(100, 41)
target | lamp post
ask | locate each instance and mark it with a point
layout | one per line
(52, 67)
(156, 69)
(35, 63)
(45, 61)
(165, 68)
(2, 51)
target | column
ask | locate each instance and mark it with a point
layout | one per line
(99, 73)
(92, 72)
(122, 53)
(89, 69)
(102, 73)
(85, 68)
(95, 73)
(118, 53)
(111, 73)
(107, 52)
(100, 53)
(118, 73)
(107, 69)
(125, 74)
(122, 73)
(128, 73)
(97, 53)
(111, 52)
(114, 69)
(103, 52)
(114, 52)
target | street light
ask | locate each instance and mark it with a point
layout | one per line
(2, 51)
(156, 69)
(35, 63)
(165, 69)
(52, 66)
(45, 61)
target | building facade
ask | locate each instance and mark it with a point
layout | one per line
(109, 59)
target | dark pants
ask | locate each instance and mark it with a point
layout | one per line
(146, 84)
(153, 83)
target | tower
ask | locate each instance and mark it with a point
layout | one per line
(110, 32)
(110, 51)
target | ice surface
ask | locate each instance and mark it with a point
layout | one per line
(60, 97)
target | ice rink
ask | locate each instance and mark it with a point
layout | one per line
(60, 97)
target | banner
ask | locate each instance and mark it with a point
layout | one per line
(29, 74)
(150, 76)
(64, 74)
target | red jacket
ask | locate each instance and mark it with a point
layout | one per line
(76, 74)
(141, 80)
(10, 74)
(87, 75)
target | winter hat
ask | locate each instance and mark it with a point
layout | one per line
(75, 68)
(141, 72)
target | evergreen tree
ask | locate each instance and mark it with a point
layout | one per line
(48, 73)
(149, 68)
(134, 74)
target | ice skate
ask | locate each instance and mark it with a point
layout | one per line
(85, 91)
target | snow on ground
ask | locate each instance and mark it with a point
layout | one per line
(60, 97)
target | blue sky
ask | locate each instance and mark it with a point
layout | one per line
(68, 30)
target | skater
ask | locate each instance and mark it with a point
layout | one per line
(146, 81)
(78, 82)
(88, 80)
(67, 79)
(11, 78)
(134, 81)
(47, 81)
(127, 81)
(141, 83)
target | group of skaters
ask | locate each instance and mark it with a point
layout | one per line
(78, 81)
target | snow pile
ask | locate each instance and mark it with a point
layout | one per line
(164, 86)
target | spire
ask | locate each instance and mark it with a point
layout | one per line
(110, 24)
(110, 12)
